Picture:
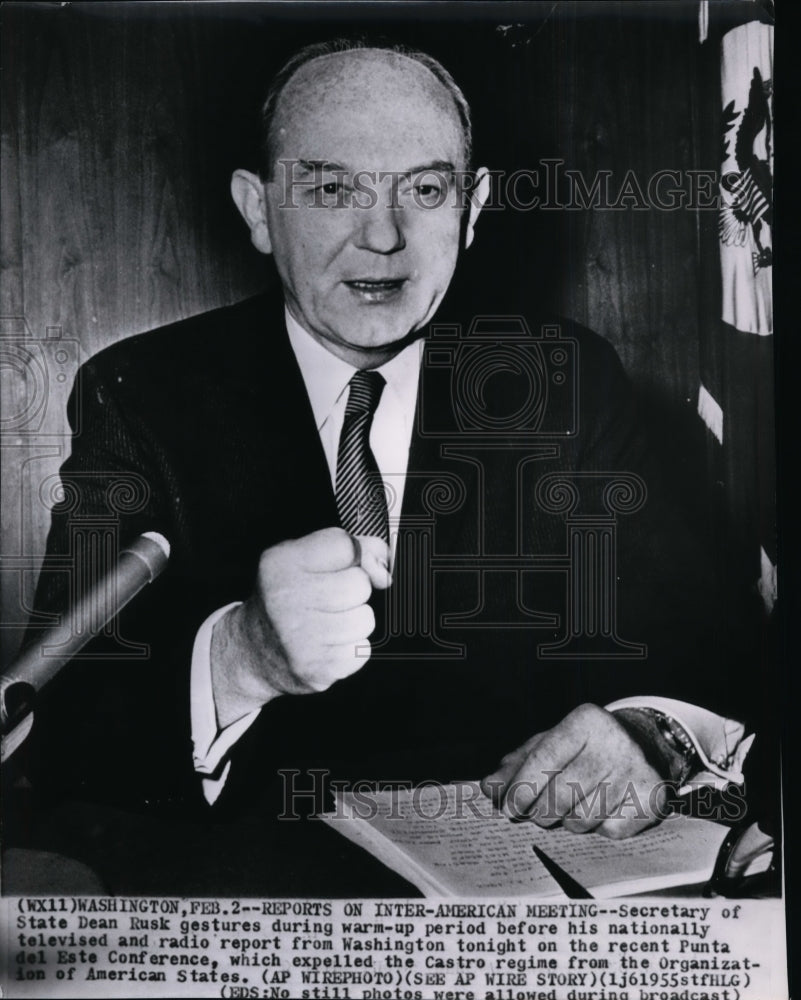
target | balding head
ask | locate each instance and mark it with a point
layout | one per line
(344, 64)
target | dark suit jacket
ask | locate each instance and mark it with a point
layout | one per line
(206, 430)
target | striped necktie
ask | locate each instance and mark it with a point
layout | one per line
(361, 501)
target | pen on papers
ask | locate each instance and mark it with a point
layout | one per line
(569, 886)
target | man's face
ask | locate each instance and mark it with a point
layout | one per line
(362, 211)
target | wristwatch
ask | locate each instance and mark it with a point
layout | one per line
(660, 736)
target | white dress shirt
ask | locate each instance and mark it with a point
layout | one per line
(720, 742)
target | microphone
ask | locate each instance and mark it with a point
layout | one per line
(138, 564)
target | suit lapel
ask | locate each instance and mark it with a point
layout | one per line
(437, 491)
(291, 469)
(435, 519)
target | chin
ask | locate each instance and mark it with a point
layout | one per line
(397, 339)
(380, 335)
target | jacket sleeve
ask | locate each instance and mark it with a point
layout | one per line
(114, 724)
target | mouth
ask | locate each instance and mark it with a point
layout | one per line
(375, 289)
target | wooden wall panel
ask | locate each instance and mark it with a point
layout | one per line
(108, 227)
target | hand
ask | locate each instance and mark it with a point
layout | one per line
(305, 627)
(586, 773)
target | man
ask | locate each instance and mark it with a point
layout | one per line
(258, 434)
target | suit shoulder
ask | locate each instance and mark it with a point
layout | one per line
(594, 350)
(206, 342)
(500, 306)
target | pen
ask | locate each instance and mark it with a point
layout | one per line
(569, 886)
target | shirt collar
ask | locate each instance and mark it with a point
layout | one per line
(326, 376)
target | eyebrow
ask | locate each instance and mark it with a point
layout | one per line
(438, 166)
(316, 166)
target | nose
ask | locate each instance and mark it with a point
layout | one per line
(380, 229)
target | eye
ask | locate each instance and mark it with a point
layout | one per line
(430, 194)
(332, 194)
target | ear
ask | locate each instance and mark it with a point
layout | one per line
(478, 197)
(247, 191)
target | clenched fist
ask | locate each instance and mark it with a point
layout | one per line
(306, 625)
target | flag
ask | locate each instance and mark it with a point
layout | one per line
(736, 395)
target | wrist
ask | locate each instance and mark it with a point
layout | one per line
(241, 651)
(665, 743)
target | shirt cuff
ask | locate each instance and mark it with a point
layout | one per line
(209, 745)
(721, 744)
